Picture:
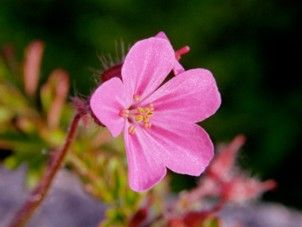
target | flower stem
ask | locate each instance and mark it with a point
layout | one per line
(40, 191)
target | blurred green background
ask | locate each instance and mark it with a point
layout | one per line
(253, 48)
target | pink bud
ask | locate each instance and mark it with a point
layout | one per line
(33, 57)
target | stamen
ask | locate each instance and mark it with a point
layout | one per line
(140, 115)
(125, 113)
(136, 98)
(131, 129)
(147, 125)
(144, 114)
(139, 118)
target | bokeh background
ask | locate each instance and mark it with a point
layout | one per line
(253, 48)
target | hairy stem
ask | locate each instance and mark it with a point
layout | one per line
(40, 191)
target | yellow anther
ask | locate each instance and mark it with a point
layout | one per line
(131, 129)
(144, 114)
(139, 118)
(139, 114)
(141, 110)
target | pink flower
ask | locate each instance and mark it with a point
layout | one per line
(115, 70)
(158, 121)
(177, 67)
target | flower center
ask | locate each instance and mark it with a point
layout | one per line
(140, 115)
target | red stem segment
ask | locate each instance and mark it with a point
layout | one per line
(39, 193)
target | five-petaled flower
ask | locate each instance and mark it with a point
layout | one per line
(158, 120)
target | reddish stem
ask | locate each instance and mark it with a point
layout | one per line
(39, 193)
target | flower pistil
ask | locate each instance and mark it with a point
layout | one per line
(140, 115)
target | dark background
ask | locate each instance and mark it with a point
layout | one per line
(252, 47)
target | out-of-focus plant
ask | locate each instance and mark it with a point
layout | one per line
(223, 183)
(34, 119)
(33, 116)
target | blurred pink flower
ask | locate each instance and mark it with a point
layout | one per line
(226, 181)
(31, 68)
(159, 121)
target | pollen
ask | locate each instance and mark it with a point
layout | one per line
(138, 116)
(144, 114)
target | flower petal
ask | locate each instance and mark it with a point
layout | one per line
(177, 67)
(162, 35)
(191, 96)
(184, 148)
(146, 66)
(106, 103)
(145, 170)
